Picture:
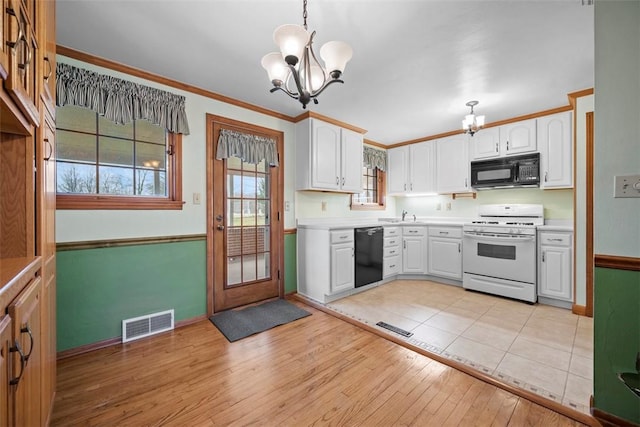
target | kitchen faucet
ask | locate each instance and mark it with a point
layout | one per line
(404, 213)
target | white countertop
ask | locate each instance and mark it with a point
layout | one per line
(341, 223)
(556, 225)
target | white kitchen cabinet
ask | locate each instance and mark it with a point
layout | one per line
(506, 140)
(518, 137)
(555, 265)
(556, 150)
(445, 252)
(414, 249)
(325, 263)
(411, 169)
(452, 164)
(328, 157)
(392, 253)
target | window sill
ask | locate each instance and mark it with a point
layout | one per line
(370, 207)
(115, 203)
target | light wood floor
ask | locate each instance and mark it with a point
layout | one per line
(318, 370)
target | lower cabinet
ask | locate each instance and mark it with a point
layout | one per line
(414, 249)
(392, 254)
(445, 252)
(325, 262)
(555, 265)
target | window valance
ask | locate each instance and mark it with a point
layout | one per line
(250, 148)
(118, 100)
(374, 158)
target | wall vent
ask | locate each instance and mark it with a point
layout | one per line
(144, 326)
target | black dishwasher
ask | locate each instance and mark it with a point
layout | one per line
(369, 243)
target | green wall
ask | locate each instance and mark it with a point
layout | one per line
(617, 340)
(98, 288)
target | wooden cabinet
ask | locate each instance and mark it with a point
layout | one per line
(411, 169)
(414, 249)
(445, 252)
(27, 214)
(328, 157)
(452, 164)
(555, 266)
(556, 150)
(47, 56)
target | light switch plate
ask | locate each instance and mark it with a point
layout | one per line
(626, 186)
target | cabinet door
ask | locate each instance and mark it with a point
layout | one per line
(452, 164)
(325, 148)
(555, 272)
(519, 137)
(422, 168)
(485, 144)
(413, 255)
(445, 257)
(4, 38)
(47, 40)
(397, 170)
(556, 150)
(5, 373)
(25, 312)
(351, 161)
(342, 267)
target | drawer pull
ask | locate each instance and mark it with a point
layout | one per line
(344, 237)
(444, 232)
(392, 252)
(392, 266)
(413, 231)
(555, 240)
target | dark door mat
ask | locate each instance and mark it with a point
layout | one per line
(238, 324)
(394, 329)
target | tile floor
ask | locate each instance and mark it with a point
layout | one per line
(544, 349)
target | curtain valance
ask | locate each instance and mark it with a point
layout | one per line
(118, 100)
(374, 158)
(250, 148)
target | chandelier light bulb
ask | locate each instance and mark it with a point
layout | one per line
(335, 55)
(277, 69)
(472, 123)
(292, 40)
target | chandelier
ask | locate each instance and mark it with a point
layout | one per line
(472, 123)
(296, 71)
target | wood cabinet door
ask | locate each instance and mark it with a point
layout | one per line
(5, 374)
(47, 57)
(25, 312)
(4, 38)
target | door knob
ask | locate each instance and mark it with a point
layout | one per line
(221, 227)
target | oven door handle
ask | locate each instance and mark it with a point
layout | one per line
(496, 237)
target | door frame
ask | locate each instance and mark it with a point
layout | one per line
(278, 224)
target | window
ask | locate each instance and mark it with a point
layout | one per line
(103, 165)
(373, 191)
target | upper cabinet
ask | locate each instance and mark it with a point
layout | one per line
(47, 57)
(21, 50)
(556, 150)
(328, 157)
(411, 169)
(452, 164)
(506, 140)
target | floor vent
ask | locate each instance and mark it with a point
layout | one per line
(143, 326)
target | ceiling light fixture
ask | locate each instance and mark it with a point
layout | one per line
(472, 123)
(296, 60)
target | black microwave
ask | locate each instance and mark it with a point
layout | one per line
(505, 172)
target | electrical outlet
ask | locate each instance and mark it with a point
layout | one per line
(324, 206)
(626, 186)
(439, 206)
(196, 198)
(448, 206)
(287, 206)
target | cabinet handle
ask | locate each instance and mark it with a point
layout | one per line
(392, 266)
(496, 147)
(337, 180)
(465, 183)
(555, 240)
(353, 252)
(405, 187)
(27, 330)
(29, 54)
(507, 145)
(542, 256)
(459, 248)
(12, 12)
(342, 181)
(17, 348)
(444, 232)
(545, 176)
(46, 78)
(392, 252)
(411, 187)
(48, 156)
(404, 244)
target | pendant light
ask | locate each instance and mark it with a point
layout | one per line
(472, 123)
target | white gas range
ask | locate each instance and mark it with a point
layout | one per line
(499, 250)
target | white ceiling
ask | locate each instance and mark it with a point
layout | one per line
(415, 63)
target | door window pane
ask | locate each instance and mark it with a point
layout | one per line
(248, 212)
(234, 212)
(249, 240)
(234, 241)
(248, 268)
(263, 266)
(234, 272)
(248, 185)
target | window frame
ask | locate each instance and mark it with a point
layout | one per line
(173, 200)
(381, 179)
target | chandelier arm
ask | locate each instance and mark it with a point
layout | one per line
(325, 86)
(313, 55)
(292, 95)
(296, 79)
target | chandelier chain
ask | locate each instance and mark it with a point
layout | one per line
(304, 13)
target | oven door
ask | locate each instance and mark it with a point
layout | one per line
(511, 257)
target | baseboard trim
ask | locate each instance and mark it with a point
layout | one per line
(540, 400)
(76, 351)
(610, 420)
(580, 310)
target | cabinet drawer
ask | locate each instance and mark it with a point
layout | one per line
(391, 251)
(413, 231)
(391, 231)
(342, 236)
(557, 239)
(391, 266)
(392, 241)
(454, 232)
